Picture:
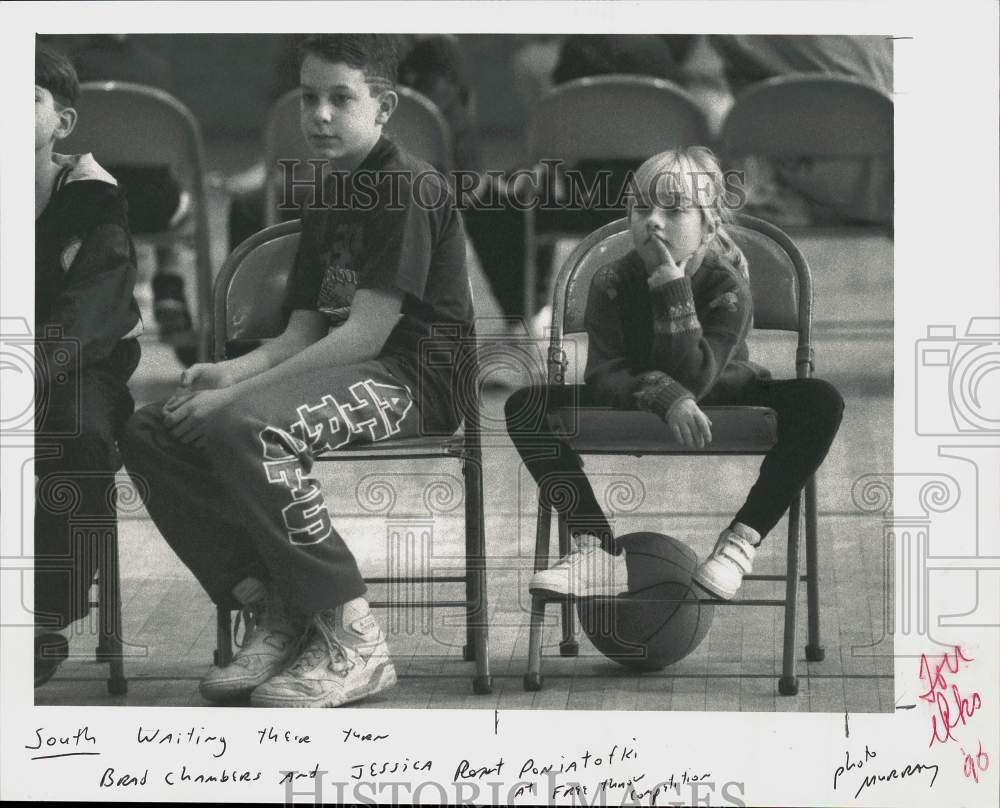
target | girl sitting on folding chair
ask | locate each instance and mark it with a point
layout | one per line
(667, 327)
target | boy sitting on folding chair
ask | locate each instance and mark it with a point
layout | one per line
(86, 322)
(379, 281)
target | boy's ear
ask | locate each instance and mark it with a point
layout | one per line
(387, 102)
(67, 122)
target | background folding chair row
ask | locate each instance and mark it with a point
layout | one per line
(625, 117)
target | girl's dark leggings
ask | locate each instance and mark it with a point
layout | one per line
(808, 411)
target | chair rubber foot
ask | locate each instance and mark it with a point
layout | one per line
(532, 682)
(815, 653)
(569, 648)
(788, 686)
(482, 685)
(118, 687)
(469, 653)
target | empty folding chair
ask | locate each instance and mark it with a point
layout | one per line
(808, 117)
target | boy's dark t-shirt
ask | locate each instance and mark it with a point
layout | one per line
(392, 224)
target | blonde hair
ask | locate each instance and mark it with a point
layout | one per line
(674, 174)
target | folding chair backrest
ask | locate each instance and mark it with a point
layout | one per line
(131, 124)
(809, 115)
(614, 117)
(250, 289)
(780, 281)
(420, 128)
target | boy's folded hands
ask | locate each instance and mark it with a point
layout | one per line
(202, 391)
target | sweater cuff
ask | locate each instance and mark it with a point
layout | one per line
(673, 307)
(659, 392)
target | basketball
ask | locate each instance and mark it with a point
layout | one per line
(662, 619)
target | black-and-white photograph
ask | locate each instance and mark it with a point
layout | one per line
(597, 329)
(564, 403)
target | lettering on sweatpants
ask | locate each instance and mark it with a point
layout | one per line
(376, 408)
(287, 462)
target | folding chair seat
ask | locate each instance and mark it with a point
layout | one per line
(808, 117)
(248, 296)
(619, 118)
(781, 285)
(131, 124)
(417, 125)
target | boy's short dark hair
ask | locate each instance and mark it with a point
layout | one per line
(55, 73)
(376, 55)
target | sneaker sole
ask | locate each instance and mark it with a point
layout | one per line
(230, 689)
(713, 589)
(383, 678)
(553, 594)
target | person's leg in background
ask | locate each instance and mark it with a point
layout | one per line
(75, 466)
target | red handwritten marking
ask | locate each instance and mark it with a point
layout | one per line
(975, 764)
(936, 679)
(966, 709)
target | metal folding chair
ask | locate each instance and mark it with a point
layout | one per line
(613, 117)
(417, 125)
(131, 124)
(811, 116)
(782, 291)
(248, 295)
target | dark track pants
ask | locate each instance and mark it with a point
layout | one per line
(246, 504)
(809, 413)
(75, 464)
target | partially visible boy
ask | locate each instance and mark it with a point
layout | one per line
(377, 284)
(86, 321)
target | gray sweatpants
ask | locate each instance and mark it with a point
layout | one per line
(246, 504)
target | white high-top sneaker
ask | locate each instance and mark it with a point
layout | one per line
(345, 659)
(586, 571)
(722, 572)
(268, 646)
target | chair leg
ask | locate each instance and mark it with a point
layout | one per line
(477, 604)
(223, 637)
(788, 684)
(814, 648)
(533, 677)
(109, 644)
(568, 646)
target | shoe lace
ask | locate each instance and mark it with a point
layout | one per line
(248, 617)
(572, 557)
(316, 644)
